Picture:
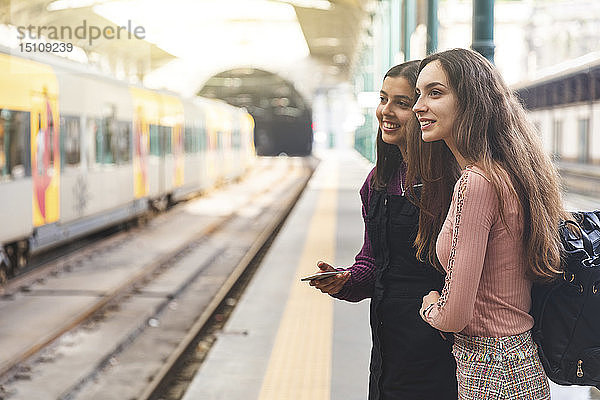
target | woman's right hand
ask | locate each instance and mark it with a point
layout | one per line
(333, 284)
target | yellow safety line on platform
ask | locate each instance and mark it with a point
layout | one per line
(300, 363)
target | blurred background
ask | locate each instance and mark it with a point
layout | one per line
(332, 53)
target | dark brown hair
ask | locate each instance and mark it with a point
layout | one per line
(389, 157)
(493, 130)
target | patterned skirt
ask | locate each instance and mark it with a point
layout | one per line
(490, 368)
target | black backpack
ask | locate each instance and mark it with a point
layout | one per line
(567, 312)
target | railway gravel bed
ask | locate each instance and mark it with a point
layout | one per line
(111, 323)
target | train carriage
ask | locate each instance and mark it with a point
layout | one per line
(194, 159)
(96, 131)
(29, 154)
(80, 152)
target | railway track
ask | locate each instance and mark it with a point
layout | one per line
(147, 294)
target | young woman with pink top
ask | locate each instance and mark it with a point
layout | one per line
(501, 230)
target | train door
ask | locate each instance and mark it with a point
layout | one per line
(203, 147)
(178, 156)
(45, 158)
(211, 144)
(158, 148)
(147, 163)
(222, 133)
(141, 145)
(159, 143)
(166, 150)
(172, 118)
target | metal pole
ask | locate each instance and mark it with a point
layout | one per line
(432, 26)
(483, 28)
(409, 26)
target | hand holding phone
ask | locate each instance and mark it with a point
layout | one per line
(320, 275)
(328, 280)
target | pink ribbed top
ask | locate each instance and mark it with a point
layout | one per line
(486, 292)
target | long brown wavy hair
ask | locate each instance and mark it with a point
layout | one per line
(493, 131)
(434, 166)
(389, 157)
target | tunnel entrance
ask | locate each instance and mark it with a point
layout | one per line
(283, 119)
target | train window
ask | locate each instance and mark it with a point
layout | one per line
(113, 141)
(188, 140)
(160, 140)
(104, 133)
(198, 137)
(14, 141)
(122, 142)
(193, 136)
(70, 138)
(583, 128)
(202, 137)
(154, 140)
(221, 141)
(166, 133)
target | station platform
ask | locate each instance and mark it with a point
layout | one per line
(287, 340)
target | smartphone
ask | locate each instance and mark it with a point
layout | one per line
(320, 275)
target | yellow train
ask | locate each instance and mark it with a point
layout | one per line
(80, 152)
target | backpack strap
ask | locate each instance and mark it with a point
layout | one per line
(587, 243)
(593, 217)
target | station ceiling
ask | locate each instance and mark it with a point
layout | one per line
(334, 35)
(333, 29)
